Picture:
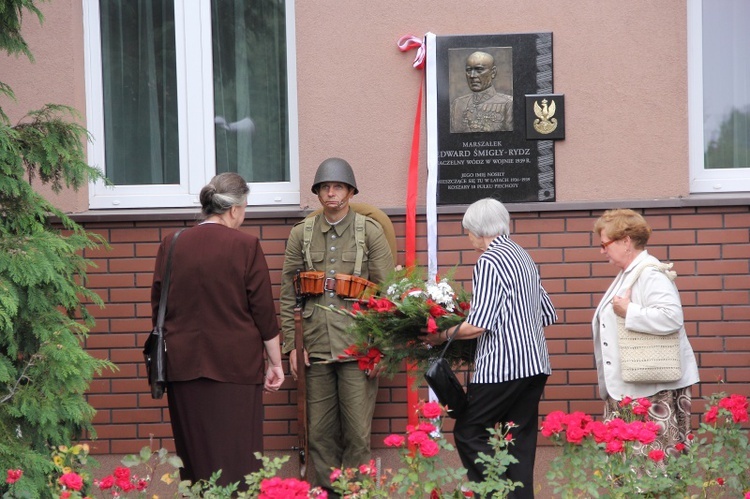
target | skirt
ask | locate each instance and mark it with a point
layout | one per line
(670, 409)
(216, 426)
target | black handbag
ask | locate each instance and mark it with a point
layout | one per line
(441, 378)
(155, 348)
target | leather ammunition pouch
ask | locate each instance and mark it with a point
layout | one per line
(315, 283)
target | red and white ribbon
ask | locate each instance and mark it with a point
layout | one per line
(408, 42)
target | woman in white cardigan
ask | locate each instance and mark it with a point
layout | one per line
(651, 305)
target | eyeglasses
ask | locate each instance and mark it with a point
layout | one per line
(604, 245)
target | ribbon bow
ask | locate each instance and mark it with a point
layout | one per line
(408, 42)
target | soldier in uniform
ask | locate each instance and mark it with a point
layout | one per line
(484, 110)
(341, 397)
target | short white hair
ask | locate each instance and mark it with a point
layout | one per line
(487, 217)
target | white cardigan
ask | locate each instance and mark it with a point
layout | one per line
(655, 307)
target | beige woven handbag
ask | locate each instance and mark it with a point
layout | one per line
(649, 358)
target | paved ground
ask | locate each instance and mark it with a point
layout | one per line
(389, 459)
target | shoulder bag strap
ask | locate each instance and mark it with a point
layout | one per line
(165, 283)
(450, 339)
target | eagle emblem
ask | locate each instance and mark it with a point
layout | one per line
(545, 123)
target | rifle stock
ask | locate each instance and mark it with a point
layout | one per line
(299, 347)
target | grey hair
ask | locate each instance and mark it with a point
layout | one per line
(222, 192)
(487, 217)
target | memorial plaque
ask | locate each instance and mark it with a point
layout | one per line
(481, 84)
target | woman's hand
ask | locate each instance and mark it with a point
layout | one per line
(434, 339)
(274, 378)
(620, 304)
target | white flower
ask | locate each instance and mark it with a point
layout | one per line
(442, 294)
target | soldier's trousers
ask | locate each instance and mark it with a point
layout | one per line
(340, 404)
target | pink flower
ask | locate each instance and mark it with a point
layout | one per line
(656, 455)
(644, 402)
(625, 401)
(429, 448)
(394, 440)
(614, 446)
(369, 469)
(553, 423)
(14, 476)
(508, 437)
(71, 481)
(432, 410)
(278, 488)
(65, 494)
(575, 434)
(679, 447)
(335, 474)
(417, 438)
(710, 416)
(640, 410)
(122, 472)
(427, 427)
(105, 483)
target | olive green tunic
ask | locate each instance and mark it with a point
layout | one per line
(333, 251)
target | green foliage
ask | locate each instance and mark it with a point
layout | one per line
(495, 483)
(44, 370)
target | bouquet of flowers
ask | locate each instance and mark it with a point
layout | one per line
(387, 326)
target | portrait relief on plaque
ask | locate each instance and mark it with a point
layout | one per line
(481, 89)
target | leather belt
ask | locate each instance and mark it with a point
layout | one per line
(315, 283)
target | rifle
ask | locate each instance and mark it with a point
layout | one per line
(299, 346)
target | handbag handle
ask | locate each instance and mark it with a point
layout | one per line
(165, 282)
(450, 339)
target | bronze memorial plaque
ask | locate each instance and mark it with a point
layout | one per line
(483, 148)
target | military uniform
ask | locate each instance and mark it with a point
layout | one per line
(485, 111)
(341, 398)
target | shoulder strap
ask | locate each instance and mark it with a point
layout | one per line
(664, 268)
(165, 282)
(306, 239)
(450, 339)
(359, 238)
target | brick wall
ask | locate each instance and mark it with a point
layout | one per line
(710, 247)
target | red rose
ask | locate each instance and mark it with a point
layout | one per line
(14, 476)
(429, 448)
(432, 410)
(394, 440)
(71, 481)
(656, 455)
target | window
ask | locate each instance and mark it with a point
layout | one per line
(719, 100)
(180, 91)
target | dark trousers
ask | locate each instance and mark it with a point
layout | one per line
(514, 401)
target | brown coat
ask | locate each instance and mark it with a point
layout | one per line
(220, 308)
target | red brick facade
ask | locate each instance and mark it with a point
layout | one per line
(710, 247)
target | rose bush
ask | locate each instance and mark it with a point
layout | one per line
(599, 460)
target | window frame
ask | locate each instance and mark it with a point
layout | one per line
(703, 180)
(195, 117)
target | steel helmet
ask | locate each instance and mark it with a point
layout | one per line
(334, 170)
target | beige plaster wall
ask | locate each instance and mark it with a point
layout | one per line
(55, 76)
(621, 65)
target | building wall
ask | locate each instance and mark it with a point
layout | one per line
(621, 65)
(709, 245)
